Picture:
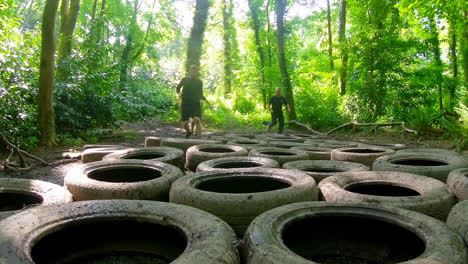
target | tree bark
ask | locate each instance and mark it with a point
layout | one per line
(435, 45)
(330, 40)
(344, 48)
(227, 49)
(195, 41)
(68, 16)
(269, 91)
(280, 8)
(464, 47)
(125, 58)
(256, 28)
(453, 59)
(47, 136)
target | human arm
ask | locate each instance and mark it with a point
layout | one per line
(288, 108)
(178, 88)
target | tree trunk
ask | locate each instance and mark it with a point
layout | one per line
(227, 50)
(330, 40)
(464, 47)
(280, 7)
(47, 136)
(453, 59)
(93, 15)
(435, 45)
(256, 27)
(195, 41)
(125, 58)
(269, 91)
(344, 48)
(68, 17)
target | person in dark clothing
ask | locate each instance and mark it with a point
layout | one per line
(191, 96)
(276, 108)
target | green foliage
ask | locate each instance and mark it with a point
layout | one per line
(458, 128)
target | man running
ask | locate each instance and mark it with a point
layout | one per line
(276, 108)
(191, 97)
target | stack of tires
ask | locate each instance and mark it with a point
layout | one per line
(244, 198)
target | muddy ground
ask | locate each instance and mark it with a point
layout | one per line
(133, 135)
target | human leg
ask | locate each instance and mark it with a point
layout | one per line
(273, 121)
(197, 124)
(281, 123)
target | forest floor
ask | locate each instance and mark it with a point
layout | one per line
(133, 135)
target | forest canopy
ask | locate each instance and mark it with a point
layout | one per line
(71, 68)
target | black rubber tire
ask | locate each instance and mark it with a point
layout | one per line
(223, 164)
(168, 155)
(286, 144)
(436, 165)
(321, 169)
(279, 154)
(434, 199)
(264, 240)
(239, 209)
(457, 182)
(36, 192)
(208, 239)
(152, 141)
(335, 144)
(316, 153)
(394, 146)
(96, 154)
(248, 144)
(199, 153)
(81, 183)
(226, 138)
(184, 144)
(362, 155)
(242, 135)
(458, 220)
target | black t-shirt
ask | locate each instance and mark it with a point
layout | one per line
(277, 103)
(192, 92)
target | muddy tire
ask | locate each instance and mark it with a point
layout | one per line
(242, 135)
(199, 153)
(394, 146)
(316, 153)
(279, 137)
(458, 220)
(223, 164)
(248, 144)
(168, 155)
(90, 146)
(184, 144)
(96, 154)
(152, 142)
(457, 182)
(17, 194)
(117, 231)
(238, 196)
(286, 144)
(335, 144)
(404, 190)
(122, 179)
(321, 169)
(436, 165)
(318, 232)
(362, 155)
(279, 154)
(227, 138)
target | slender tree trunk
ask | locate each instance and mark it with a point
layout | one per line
(195, 41)
(435, 45)
(280, 8)
(47, 136)
(464, 47)
(93, 15)
(344, 48)
(256, 27)
(453, 59)
(227, 49)
(330, 40)
(125, 58)
(269, 91)
(69, 16)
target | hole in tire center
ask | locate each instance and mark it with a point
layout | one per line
(363, 151)
(246, 142)
(11, 201)
(216, 150)
(124, 174)
(351, 240)
(277, 153)
(381, 189)
(242, 184)
(144, 156)
(419, 162)
(111, 241)
(237, 164)
(322, 170)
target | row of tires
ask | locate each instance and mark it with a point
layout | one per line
(133, 231)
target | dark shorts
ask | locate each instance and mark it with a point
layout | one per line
(190, 110)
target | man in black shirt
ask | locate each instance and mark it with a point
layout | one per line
(276, 109)
(191, 97)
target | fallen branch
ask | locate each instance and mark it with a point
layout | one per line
(354, 123)
(23, 166)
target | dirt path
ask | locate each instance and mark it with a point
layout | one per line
(133, 135)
